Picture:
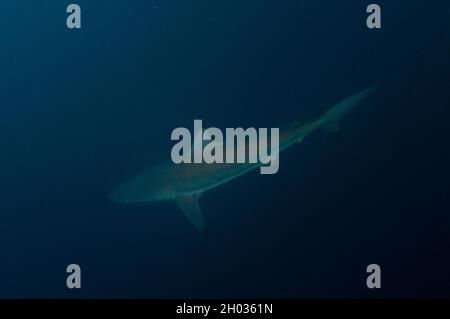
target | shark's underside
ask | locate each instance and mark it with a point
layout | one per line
(184, 183)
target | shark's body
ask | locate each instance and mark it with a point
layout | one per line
(185, 183)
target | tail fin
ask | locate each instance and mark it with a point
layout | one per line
(330, 120)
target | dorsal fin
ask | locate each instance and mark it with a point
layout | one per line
(206, 138)
(191, 209)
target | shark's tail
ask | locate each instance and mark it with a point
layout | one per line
(330, 120)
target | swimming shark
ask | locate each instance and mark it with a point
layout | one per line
(186, 182)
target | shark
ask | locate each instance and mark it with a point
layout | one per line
(186, 182)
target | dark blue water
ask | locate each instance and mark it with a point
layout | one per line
(82, 111)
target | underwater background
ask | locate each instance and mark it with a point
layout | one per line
(82, 111)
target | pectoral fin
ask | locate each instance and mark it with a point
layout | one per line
(191, 208)
(332, 127)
